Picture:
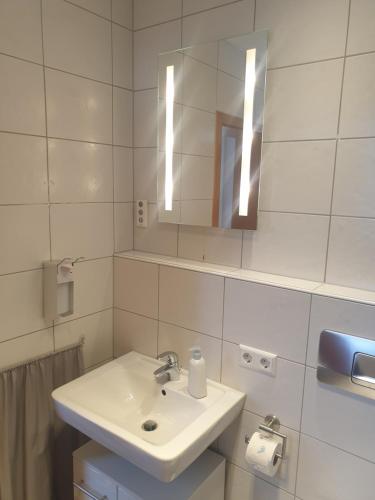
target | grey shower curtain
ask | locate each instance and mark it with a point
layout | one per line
(35, 445)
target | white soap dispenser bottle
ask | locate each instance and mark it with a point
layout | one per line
(197, 383)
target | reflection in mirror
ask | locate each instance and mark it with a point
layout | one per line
(211, 100)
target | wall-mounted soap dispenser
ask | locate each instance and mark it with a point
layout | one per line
(58, 286)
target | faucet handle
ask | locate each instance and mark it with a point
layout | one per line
(172, 358)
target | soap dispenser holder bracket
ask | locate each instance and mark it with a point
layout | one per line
(271, 426)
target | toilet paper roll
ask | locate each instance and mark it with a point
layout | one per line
(261, 453)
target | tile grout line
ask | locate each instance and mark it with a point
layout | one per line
(113, 195)
(134, 210)
(303, 393)
(336, 148)
(47, 151)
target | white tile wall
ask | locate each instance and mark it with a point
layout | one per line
(306, 170)
(302, 32)
(288, 244)
(149, 12)
(289, 115)
(269, 318)
(134, 332)
(316, 201)
(59, 61)
(329, 432)
(326, 472)
(86, 50)
(21, 97)
(324, 406)
(297, 177)
(78, 108)
(79, 172)
(351, 252)
(182, 294)
(361, 37)
(26, 40)
(17, 183)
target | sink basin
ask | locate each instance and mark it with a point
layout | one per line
(118, 403)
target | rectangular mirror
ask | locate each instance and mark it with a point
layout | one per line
(210, 122)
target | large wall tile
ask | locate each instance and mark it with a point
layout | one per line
(353, 193)
(122, 12)
(82, 230)
(135, 333)
(240, 484)
(93, 287)
(100, 7)
(122, 57)
(27, 347)
(329, 473)
(123, 174)
(24, 233)
(78, 108)
(351, 253)
(180, 340)
(297, 176)
(122, 117)
(20, 29)
(145, 118)
(266, 317)
(300, 104)
(191, 300)
(192, 6)
(145, 174)
(288, 244)
(23, 172)
(79, 172)
(158, 237)
(215, 245)
(149, 12)
(329, 414)
(361, 36)
(358, 103)
(21, 97)
(223, 22)
(339, 315)
(97, 331)
(123, 226)
(233, 446)
(76, 40)
(21, 304)
(280, 395)
(300, 32)
(136, 287)
(148, 44)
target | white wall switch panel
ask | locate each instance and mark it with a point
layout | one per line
(141, 213)
(257, 360)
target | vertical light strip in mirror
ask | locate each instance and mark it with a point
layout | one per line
(169, 137)
(247, 134)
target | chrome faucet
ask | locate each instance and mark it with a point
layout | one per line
(169, 371)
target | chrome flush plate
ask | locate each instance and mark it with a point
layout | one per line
(347, 362)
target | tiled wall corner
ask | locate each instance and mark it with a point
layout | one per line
(65, 190)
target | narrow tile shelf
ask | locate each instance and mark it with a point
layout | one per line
(315, 287)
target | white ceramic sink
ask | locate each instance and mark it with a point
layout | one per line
(111, 403)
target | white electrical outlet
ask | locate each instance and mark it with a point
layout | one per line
(142, 213)
(257, 360)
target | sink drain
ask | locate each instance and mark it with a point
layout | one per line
(149, 425)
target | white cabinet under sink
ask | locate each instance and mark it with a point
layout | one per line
(106, 476)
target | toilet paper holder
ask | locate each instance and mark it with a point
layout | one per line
(272, 426)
